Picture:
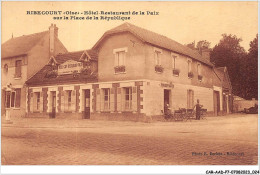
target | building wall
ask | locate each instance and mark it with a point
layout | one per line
(134, 62)
(39, 55)
(181, 64)
(154, 97)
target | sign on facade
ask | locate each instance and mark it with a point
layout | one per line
(69, 67)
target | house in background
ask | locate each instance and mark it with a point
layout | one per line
(223, 99)
(21, 58)
(138, 73)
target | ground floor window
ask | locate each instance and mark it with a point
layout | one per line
(68, 100)
(37, 95)
(128, 98)
(106, 99)
(13, 98)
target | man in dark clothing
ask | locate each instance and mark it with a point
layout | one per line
(198, 109)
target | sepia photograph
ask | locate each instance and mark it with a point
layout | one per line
(130, 83)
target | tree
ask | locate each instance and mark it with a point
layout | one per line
(203, 44)
(252, 67)
(229, 53)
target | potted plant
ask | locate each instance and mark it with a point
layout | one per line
(190, 74)
(158, 68)
(176, 72)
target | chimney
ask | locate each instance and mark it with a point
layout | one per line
(53, 31)
(205, 53)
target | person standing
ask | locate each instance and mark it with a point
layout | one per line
(198, 109)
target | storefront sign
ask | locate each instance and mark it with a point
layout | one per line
(167, 85)
(69, 67)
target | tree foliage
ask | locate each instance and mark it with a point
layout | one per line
(240, 65)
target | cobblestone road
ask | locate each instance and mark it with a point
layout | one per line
(135, 144)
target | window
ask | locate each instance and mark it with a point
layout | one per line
(175, 71)
(128, 98)
(174, 62)
(106, 97)
(199, 69)
(8, 99)
(120, 58)
(37, 101)
(69, 100)
(157, 57)
(18, 68)
(12, 99)
(189, 65)
(190, 73)
(6, 68)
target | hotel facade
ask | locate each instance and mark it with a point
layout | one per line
(129, 74)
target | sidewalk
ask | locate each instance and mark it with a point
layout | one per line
(81, 123)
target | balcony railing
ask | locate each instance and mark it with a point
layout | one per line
(158, 68)
(190, 74)
(176, 72)
(119, 69)
(200, 77)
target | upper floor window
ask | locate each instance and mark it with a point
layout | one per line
(199, 69)
(158, 60)
(176, 71)
(199, 72)
(18, 68)
(190, 73)
(120, 57)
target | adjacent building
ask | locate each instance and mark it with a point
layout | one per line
(130, 73)
(22, 57)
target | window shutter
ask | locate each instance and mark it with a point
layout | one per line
(102, 95)
(134, 99)
(112, 99)
(188, 99)
(62, 100)
(123, 99)
(41, 102)
(31, 102)
(116, 59)
(192, 98)
(34, 102)
(98, 100)
(17, 98)
(66, 100)
(73, 100)
(119, 92)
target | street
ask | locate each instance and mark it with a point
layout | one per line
(224, 140)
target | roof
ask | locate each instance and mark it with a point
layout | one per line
(40, 77)
(155, 39)
(21, 45)
(221, 77)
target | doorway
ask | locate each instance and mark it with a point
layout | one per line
(166, 98)
(53, 104)
(216, 98)
(86, 114)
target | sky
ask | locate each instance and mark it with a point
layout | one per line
(183, 22)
